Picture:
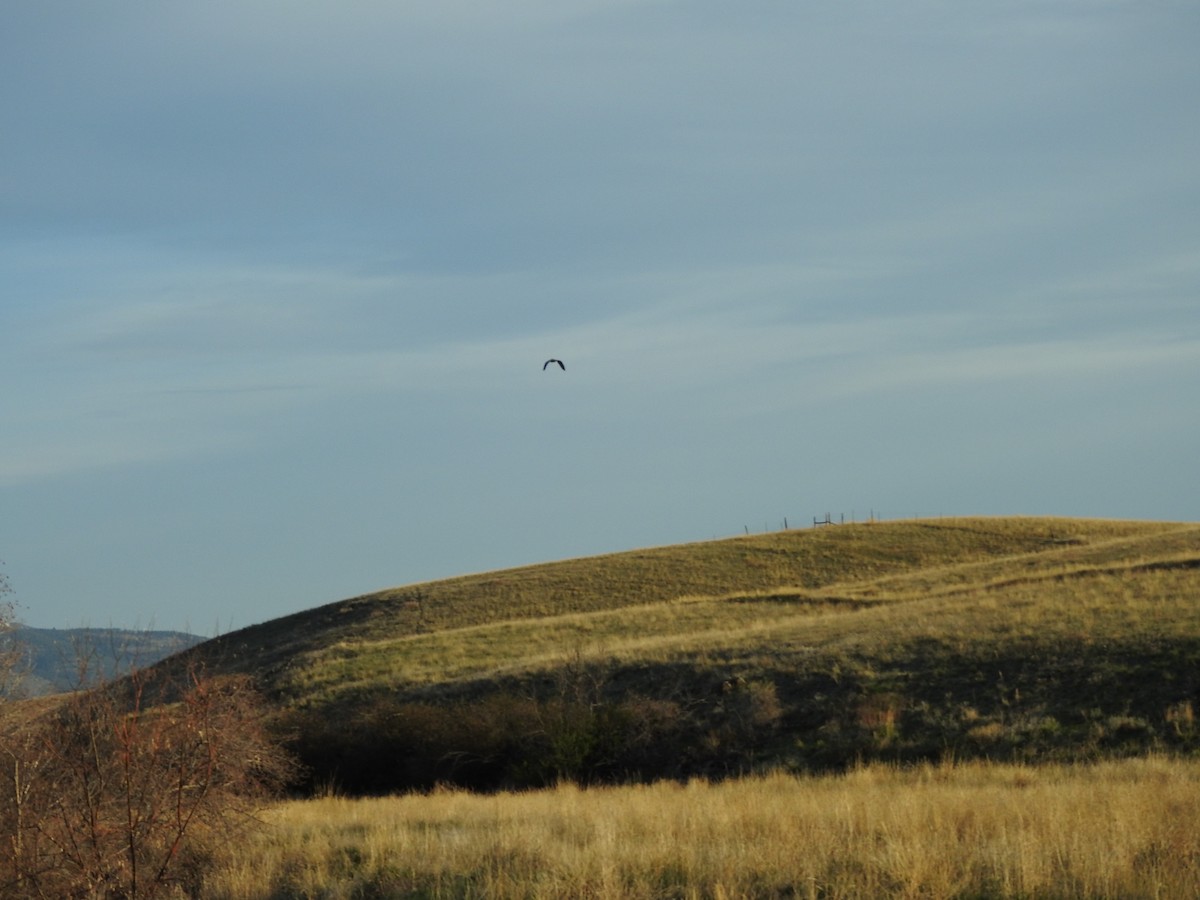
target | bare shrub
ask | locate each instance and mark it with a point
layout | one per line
(125, 790)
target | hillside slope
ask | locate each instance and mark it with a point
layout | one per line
(1014, 638)
(819, 558)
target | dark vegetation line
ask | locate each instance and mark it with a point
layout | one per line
(721, 713)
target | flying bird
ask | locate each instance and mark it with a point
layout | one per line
(559, 361)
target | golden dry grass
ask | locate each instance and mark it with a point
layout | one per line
(894, 641)
(1119, 829)
(957, 581)
(373, 637)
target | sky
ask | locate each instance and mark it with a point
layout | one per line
(277, 281)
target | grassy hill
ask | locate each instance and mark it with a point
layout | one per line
(1006, 638)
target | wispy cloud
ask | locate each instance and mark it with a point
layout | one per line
(241, 243)
(177, 373)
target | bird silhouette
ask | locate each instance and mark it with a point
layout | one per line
(559, 361)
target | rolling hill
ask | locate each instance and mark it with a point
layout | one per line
(1014, 638)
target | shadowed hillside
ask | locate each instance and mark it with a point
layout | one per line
(1008, 638)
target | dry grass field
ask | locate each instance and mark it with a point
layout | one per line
(957, 708)
(1116, 829)
(940, 708)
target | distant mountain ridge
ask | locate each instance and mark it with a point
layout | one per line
(62, 659)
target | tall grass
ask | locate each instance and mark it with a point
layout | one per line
(974, 639)
(1119, 829)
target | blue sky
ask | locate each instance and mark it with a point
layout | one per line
(277, 281)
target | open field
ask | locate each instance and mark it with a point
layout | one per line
(943, 708)
(1116, 829)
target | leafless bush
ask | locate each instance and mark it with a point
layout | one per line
(124, 791)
